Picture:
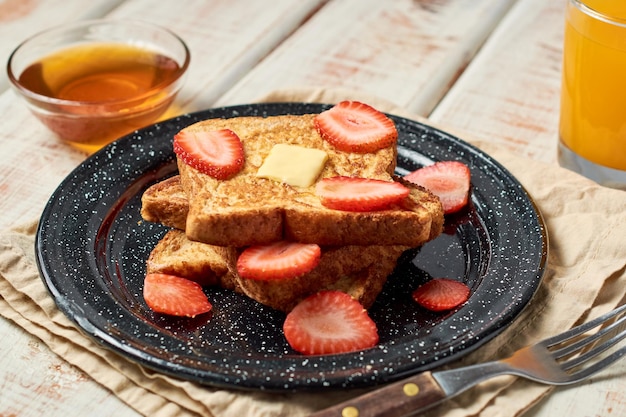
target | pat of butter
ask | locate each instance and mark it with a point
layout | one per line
(294, 165)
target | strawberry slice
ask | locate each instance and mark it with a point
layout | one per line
(448, 180)
(169, 294)
(329, 322)
(359, 194)
(278, 260)
(441, 294)
(218, 153)
(351, 126)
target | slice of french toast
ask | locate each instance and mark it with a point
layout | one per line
(360, 271)
(166, 202)
(247, 209)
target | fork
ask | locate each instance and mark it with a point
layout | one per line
(563, 359)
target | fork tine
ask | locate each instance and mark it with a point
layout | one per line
(574, 347)
(572, 363)
(555, 340)
(598, 366)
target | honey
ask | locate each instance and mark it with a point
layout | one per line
(119, 88)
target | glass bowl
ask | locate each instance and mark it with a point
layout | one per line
(94, 81)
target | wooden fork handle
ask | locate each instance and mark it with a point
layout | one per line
(394, 400)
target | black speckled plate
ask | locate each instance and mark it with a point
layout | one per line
(92, 246)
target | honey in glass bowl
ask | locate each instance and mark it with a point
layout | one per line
(93, 91)
(100, 73)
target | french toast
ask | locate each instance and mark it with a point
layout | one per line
(166, 203)
(360, 271)
(247, 209)
(216, 217)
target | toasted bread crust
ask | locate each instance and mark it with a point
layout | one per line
(247, 210)
(165, 202)
(205, 264)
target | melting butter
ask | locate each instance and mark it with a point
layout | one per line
(295, 165)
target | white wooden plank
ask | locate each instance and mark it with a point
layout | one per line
(510, 92)
(404, 51)
(20, 19)
(35, 382)
(32, 162)
(602, 395)
(226, 37)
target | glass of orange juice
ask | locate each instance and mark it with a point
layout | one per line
(592, 131)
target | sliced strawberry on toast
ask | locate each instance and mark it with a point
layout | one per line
(329, 322)
(278, 260)
(218, 153)
(351, 126)
(448, 180)
(175, 296)
(441, 294)
(359, 194)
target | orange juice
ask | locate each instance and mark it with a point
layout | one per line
(593, 98)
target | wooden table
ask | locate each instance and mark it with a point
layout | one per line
(490, 68)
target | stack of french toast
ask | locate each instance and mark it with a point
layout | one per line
(252, 191)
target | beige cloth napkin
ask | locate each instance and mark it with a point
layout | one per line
(586, 276)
